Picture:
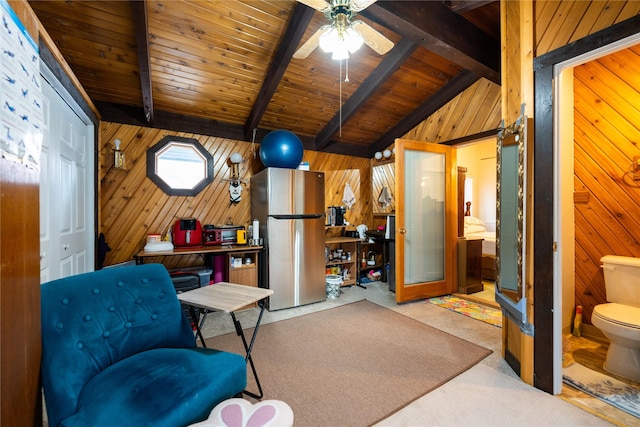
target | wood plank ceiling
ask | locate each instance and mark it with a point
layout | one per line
(226, 68)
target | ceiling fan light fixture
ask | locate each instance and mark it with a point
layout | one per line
(353, 40)
(340, 45)
(341, 51)
(329, 40)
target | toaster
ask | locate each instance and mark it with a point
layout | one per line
(211, 235)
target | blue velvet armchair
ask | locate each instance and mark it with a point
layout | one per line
(118, 351)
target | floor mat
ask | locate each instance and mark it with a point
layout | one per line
(623, 396)
(481, 312)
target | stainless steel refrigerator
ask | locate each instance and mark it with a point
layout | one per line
(289, 204)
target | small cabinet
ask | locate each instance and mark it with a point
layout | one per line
(242, 268)
(344, 266)
(469, 265)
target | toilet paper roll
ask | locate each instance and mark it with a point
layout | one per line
(256, 229)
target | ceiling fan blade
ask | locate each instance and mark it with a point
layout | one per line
(372, 38)
(309, 46)
(358, 5)
(320, 5)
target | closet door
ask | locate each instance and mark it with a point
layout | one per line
(67, 191)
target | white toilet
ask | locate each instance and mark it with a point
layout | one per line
(619, 319)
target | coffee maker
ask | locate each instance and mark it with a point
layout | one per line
(336, 215)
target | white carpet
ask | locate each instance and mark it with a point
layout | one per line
(482, 396)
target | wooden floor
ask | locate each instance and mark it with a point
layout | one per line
(486, 296)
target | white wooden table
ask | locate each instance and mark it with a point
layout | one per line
(229, 297)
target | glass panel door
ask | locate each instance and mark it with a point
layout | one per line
(426, 220)
(424, 217)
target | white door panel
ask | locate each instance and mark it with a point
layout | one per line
(66, 200)
(45, 220)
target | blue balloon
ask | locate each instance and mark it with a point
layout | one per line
(281, 149)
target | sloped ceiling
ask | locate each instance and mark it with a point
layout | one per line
(226, 68)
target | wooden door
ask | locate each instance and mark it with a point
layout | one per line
(426, 225)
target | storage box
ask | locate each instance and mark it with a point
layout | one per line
(203, 271)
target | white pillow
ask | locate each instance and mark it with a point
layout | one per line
(469, 229)
(471, 220)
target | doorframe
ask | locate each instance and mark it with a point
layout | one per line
(64, 85)
(547, 269)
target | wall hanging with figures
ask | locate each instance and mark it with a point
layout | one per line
(235, 183)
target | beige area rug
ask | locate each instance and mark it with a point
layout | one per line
(352, 365)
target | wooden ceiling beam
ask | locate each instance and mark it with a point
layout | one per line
(129, 115)
(389, 65)
(461, 6)
(141, 23)
(491, 133)
(452, 89)
(435, 27)
(298, 24)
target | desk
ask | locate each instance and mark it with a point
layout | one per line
(245, 274)
(229, 297)
(198, 250)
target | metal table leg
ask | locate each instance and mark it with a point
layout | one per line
(249, 347)
(198, 324)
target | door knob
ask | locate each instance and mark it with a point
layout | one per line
(402, 231)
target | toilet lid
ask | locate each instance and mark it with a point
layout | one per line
(619, 313)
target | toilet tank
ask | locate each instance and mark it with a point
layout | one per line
(622, 279)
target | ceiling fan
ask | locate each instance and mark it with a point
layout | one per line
(342, 36)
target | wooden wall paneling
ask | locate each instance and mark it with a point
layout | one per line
(561, 27)
(479, 108)
(630, 9)
(446, 121)
(544, 12)
(512, 66)
(610, 15)
(484, 106)
(588, 18)
(470, 106)
(615, 222)
(589, 285)
(383, 176)
(132, 206)
(561, 22)
(577, 16)
(606, 135)
(626, 66)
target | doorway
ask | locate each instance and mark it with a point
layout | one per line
(565, 222)
(479, 159)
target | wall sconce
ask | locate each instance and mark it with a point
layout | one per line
(634, 168)
(236, 159)
(235, 183)
(386, 154)
(118, 156)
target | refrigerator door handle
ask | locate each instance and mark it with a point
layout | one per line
(297, 216)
